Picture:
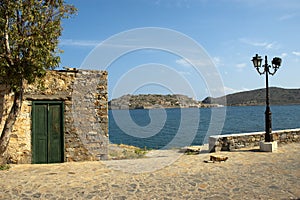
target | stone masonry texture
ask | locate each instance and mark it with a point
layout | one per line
(231, 142)
(84, 94)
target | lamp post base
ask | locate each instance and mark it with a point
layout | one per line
(268, 146)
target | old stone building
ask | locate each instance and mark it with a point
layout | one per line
(63, 118)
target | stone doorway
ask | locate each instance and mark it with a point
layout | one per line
(47, 132)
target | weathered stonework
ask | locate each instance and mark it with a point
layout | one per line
(84, 93)
(230, 142)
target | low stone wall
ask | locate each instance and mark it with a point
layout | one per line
(230, 142)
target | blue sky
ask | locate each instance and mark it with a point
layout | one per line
(230, 32)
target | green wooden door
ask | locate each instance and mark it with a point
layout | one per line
(47, 132)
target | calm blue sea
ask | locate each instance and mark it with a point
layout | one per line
(169, 128)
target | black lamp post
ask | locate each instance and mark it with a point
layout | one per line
(266, 69)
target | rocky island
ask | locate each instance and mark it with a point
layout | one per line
(152, 101)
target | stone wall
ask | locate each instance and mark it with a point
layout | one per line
(84, 93)
(232, 142)
(88, 116)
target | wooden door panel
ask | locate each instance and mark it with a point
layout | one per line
(47, 132)
(41, 152)
(40, 136)
(54, 131)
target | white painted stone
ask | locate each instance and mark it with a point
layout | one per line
(268, 146)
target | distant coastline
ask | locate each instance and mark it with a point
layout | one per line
(278, 96)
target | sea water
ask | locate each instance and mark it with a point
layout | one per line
(175, 127)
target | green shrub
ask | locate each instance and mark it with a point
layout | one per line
(140, 152)
(4, 167)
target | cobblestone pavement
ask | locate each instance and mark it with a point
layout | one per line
(246, 174)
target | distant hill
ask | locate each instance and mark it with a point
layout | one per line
(278, 96)
(149, 101)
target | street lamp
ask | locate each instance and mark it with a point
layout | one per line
(267, 69)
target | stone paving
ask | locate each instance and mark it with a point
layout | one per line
(247, 174)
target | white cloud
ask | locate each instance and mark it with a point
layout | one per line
(284, 55)
(266, 45)
(270, 46)
(78, 43)
(287, 17)
(195, 62)
(229, 90)
(241, 65)
(297, 53)
(183, 62)
(177, 3)
(217, 61)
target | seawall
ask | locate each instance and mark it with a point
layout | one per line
(230, 142)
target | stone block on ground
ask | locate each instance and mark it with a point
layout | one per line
(268, 146)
